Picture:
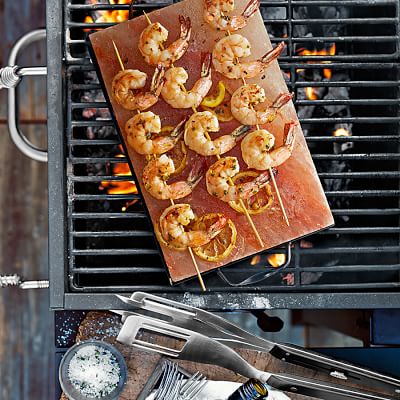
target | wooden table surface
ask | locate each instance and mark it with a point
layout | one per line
(25, 319)
(105, 326)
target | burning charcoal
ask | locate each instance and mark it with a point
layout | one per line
(336, 93)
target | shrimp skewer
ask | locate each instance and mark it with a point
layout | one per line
(257, 148)
(218, 181)
(247, 97)
(215, 14)
(142, 126)
(126, 87)
(174, 92)
(230, 49)
(197, 137)
(179, 50)
(157, 172)
(173, 227)
(151, 43)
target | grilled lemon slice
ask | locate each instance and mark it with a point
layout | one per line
(257, 203)
(222, 245)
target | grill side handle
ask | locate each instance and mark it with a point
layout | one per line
(10, 77)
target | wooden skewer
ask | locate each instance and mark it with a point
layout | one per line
(279, 196)
(218, 157)
(269, 169)
(118, 57)
(172, 201)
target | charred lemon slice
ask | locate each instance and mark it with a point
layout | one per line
(257, 203)
(163, 242)
(179, 156)
(166, 130)
(178, 153)
(215, 99)
(222, 245)
(223, 110)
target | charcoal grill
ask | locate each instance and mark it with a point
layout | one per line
(97, 250)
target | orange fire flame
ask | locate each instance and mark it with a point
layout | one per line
(120, 187)
(109, 15)
(341, 132)
(310, 92)
(276, 260)
(255, 260)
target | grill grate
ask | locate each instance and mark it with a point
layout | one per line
(114, 251)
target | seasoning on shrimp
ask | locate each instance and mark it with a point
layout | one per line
(218, 181)
(157, 172)
(203, 122)
(174, 92)
(141, 128)
(231, 48)
(174, 229)
(153, 37)
(258, 152)
(126, 87)
(216, 14)
(246, 102)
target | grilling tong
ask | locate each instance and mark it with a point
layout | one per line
(210, 339)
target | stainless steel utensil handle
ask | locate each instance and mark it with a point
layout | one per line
(321, 390)
(340, 370)
(10, 76)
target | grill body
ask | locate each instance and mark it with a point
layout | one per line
(96, 249)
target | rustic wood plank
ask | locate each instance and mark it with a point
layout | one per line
(105, 326)
(25, 319)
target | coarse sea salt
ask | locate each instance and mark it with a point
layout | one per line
(94, 371)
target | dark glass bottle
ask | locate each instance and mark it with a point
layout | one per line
(251, 390)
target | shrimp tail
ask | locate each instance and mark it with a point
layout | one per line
(197, 172)
(273, 54)
(290, 134)
(186, 27)
(251, 7)
(206, 66)
(217, 227)
(179, 129)
(262, 179)
(157, 82)
(240, 131)
(281, 100)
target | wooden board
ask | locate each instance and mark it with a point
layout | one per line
(301, 191)
(104, 326)
(26, 362)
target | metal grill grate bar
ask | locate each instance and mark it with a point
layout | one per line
(363, 188)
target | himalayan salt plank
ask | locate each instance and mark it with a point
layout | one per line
(297, 179)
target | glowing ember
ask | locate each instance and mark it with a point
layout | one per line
(311, 93)
(324, 52)
(341, 132)
(106, 16)
(255, 260)
(120, 187)
(276, 260)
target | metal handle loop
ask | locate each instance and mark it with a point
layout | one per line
(10, 77)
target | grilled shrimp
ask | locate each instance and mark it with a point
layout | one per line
(218, 185)
(230, 49)
(195, 135)
(173, 91)
(257, 148)
(141, 127)
(176, 218)
(215, 14)
(247, 97)
(151, 43)
(156, 173)
(126, 87)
